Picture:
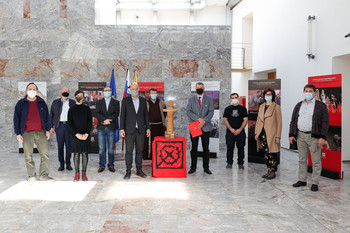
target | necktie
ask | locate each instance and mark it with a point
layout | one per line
(199, 100)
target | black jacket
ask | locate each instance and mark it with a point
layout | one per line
(128, 116)
(56, 109)
(102, 114)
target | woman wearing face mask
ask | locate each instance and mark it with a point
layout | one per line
(268, 131)
(80, 124)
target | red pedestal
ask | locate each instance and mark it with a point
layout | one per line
(169, 157)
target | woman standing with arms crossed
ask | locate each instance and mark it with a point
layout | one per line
(268, 131)
(80, 124)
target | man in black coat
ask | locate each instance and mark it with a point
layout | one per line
(59, 118)
(107, 112)
(134, 123)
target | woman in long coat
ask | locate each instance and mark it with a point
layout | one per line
(268, 131)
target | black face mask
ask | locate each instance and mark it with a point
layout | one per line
(199, 91)
(65, 94)
(78, 99)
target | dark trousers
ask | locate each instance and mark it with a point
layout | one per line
(231, 141)
(194, 150)
(106, 136)
(132, 140)
(63, 137)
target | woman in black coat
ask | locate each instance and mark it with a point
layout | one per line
(80, 124)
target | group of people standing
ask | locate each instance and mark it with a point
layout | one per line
(308, 127)
(71, 120)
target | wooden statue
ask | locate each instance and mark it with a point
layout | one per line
(169, 133)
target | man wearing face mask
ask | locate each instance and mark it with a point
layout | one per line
(309, 126)
(200, 108)
(32, 124)
(235, 119)
(157, 117)
(59, 118)
(134, 124)
(107, 112)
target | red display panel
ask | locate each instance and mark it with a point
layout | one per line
(169, 157)
(329, 91)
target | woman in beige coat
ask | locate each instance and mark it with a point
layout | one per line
(268, 131)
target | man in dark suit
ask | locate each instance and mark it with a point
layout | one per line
(59, 118)
(107, 112)
(200, 108)
(134, 123)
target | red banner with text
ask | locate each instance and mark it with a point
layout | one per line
(329, 91)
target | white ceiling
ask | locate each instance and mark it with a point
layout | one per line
(216, 2)
(208, 2)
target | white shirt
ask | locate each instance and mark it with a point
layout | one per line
(64, 112)
(107, 100)
(200, 99)
(305, 115)
(136, 102)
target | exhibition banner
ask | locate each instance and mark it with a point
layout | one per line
(255, 99)
(42, 93)
(212, 89)
(329, 91)
(93, 91)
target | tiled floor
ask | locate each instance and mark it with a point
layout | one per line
(227, 201)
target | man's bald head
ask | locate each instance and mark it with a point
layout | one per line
(64, 89)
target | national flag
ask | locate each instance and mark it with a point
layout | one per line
(135, 76)
(127, 84)
(114, 95)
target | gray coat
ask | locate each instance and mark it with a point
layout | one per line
(206, 111)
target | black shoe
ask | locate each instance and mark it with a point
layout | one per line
(240, 166)
(229, 166)
(69, 167)
(191, 171)
(299, 184)
(207, 171)
(101, 169)
(61, 168)
(127, 175)
(314, 187)
(141, 173)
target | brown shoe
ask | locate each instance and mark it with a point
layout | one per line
(47, 179)
(266, 175)
(111, 169)
(101, 169)
(271, 176)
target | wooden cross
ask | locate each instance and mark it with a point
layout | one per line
(169, 133)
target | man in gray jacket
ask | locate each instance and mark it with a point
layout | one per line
(200, 108)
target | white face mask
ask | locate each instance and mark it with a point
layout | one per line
(234, 101)
(31, 93)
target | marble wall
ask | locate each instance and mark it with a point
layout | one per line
(56, 41)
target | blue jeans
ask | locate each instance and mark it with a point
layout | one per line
(104, 134)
